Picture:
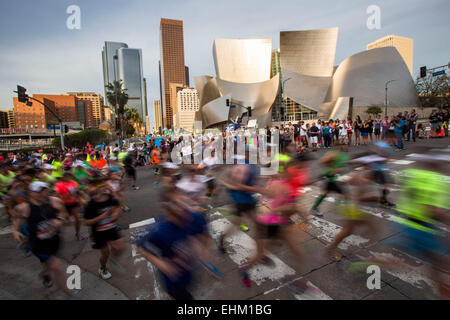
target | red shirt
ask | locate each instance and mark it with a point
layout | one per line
(67, 191)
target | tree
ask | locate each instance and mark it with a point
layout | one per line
(374, 110)
(79, 139)
(117, 98)
(134, 118)
(434, 92)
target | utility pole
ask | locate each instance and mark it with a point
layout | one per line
(385, 96)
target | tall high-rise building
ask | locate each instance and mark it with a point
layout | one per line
(125, 64)
(187, 105)
(158, 116)
(11, 118)
(173, 69)
(4, 120)
(404, 46)
(186, 70)
(173, 90)
(93, 113)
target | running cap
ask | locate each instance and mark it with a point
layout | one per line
(37, 186)
(47, 166)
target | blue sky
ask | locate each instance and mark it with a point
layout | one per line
(39, 52)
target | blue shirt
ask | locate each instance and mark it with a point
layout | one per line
(401, 123)
(244, 197)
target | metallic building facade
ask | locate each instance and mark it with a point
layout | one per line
(131, 74)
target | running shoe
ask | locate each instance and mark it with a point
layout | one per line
(316, 212)
(212, 269)
(79, 236)
(104, 273)
(220, 245)
(135, 188)
(244, 275)
(243, 227)
(334, 255)
(47, 281)
(267, 261)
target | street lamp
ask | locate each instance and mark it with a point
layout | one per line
(385, 96)
(282, 98)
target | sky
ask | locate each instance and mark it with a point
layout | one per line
(38, 51)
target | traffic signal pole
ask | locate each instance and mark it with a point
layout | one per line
(56, 116)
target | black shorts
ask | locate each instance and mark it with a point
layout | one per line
(131, 172)
(71, 206)
(334, 187)
(271, 231)
(44, 252)
(380, 177)
(101, 238)
(244, 208)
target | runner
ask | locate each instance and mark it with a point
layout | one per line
(130, 166)
(44, 216)
(334, 162)
(70, 195)
(102, 213)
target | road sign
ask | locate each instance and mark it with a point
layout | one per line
(438, 73)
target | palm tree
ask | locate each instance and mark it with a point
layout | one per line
(134, 118)
(117, 98)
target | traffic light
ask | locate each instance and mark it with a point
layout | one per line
(228, 102)
(117, 124)
(66, 128)
(249, 111)
(21, 93)
(423, 72)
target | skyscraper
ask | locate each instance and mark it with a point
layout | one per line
(403, 45)
(123, 63)
(172, 64)
(158, 117)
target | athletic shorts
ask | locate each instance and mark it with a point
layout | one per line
(380, 177)
(297, 139)
(418, 242)
(334, 187)
(44, 254)
(101, 238)
(268, 231)
(71, 206)
(244, 208)
(131, 172)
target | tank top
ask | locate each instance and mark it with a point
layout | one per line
(43, 236)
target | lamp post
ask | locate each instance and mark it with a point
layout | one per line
(283, 100)
(385, 96)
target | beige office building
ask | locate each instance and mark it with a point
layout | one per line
(403, 45)
(158, 115)
(11, 121)
(187, 105)
(98, 112)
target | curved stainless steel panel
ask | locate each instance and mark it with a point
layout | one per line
(260, 96)
(363, 76)
(215, 111)
(309, 52)
(306, 90)
(242, 60)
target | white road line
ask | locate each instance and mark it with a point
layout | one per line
(6, 230)
(151, 269)
(142, 223)
(241, 246)
(402, 162)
